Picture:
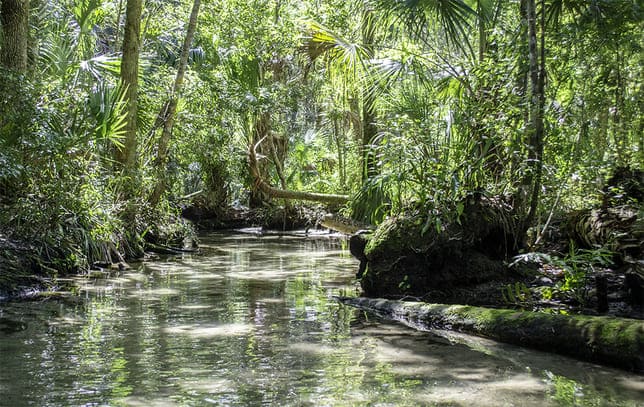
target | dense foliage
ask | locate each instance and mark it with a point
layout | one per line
(414, 104)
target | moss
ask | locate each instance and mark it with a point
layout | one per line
(394, 236)
(610, 340)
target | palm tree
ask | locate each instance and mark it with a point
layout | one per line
(355, 58)
(127, 156)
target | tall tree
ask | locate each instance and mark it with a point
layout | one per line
(168, 111)
(127, 155)
(369, 127)
(535, 133)
(14, 17)
(17, 106)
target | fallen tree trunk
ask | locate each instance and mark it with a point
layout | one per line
(613, 341)
(286, 193)
(343, 225)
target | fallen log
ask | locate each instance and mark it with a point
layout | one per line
(613, 341)
(161, 249)
(343, 225)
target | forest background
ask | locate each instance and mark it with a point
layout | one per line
(115, 114)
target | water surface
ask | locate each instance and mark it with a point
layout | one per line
(250, 322)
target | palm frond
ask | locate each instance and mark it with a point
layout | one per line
(321, 41)
(108, 106)
(418, 16)
(56, 56)
(100, 65)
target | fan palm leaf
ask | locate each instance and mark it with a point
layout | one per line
(418, 17)
(345, 54)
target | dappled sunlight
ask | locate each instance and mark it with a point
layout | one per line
(634, 384)
(198, 331)
(136, 277)
(195, 307)
(311, 349)
(153, 294)
(147, 402)
(207, 385)
(252, 323)
(203, 276)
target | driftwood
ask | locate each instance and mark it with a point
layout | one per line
(161, 249)
(286, 193)
(614, 341)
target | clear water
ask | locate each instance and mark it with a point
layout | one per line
(249, 322)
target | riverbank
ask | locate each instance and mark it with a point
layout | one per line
(32, 269)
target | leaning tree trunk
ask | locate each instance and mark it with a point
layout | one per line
(14, 17)
(265, 187)
(168, 112)
(126, 156)
(614, 341)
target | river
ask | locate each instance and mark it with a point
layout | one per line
(249, 322)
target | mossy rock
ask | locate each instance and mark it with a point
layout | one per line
(409, 255)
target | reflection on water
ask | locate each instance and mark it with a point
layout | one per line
(249, 322)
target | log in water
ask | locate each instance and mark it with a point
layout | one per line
(613, 341)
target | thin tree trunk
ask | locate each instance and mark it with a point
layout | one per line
(126, 157)
(619, 135)
(119, 11)
(522, 92)
(537, 103)
(170, 108)
(369, 128)
(482, 32)
(14, 17)
(339, 143)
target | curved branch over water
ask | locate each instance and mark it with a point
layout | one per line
(287, 193)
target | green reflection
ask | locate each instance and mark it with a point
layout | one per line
(250, 323)
(568, 392)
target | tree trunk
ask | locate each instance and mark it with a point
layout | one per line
(262, 185)
(14, 17)
(18, 107)
(260, 131)
(535, 132)
(369, 128)
(610, 340)
(481, 19)
(126, 157)
(168, 112)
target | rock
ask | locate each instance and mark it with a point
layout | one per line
(405, 257)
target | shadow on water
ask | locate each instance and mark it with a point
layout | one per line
(249, 322)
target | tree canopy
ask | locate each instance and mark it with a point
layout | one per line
(112, 111)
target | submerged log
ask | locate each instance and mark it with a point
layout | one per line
(613, 341)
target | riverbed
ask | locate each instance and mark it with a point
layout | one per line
(250, 321)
